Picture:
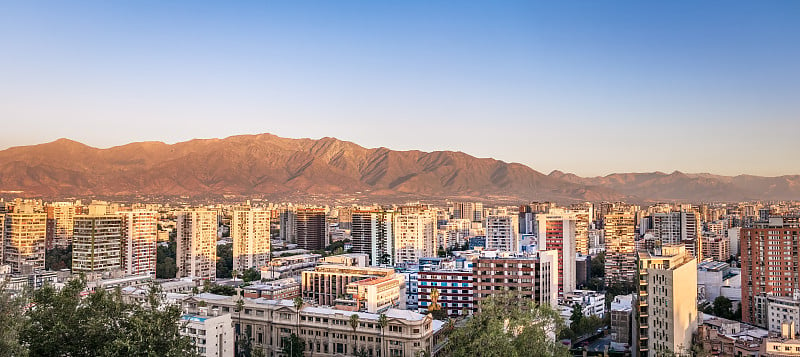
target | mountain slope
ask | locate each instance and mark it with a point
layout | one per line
(275, 167)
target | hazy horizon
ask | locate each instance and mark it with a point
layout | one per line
(590, 88)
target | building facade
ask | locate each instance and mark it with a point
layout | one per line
(24, 241)
(139, 234)
(250, 231)
(311, 228)
(96, 243)
(196, 253)
(372, 233)
(557, 232)
(620, 234)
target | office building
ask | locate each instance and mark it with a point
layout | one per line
(24, 241)
(556, 231)
(287, 220)
(667, 303)
(678, 227)
(251, 239)
(196, 253)
(372, 233)
(328, 283)
(96, 244)
(311, 228)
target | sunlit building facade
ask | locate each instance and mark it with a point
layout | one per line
(196, 254)
(250, 231)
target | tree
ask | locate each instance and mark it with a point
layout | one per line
(442, 252)
(64, 323)
(723, 308)
(439, 314)
(508, 325)
(58, 258)
(383, 321)
(297, 302)
(11, 319)
(576, 317)
(242, 348)
(165, 261)
(224, 260)
(251, 275)
(234, 274)
(222, 290)
(293, 346)
(598, 265)
(354, 326)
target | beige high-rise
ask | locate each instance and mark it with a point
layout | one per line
(196, 254)
(96, 243)
(251, 239)
(24, 240)
(139, 233)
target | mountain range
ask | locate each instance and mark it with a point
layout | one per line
(280, 168)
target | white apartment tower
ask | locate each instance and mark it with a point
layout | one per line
(251, 239)
(24, 240)
(556, 231)
(196, 254)
(372, 233)
(667, 306)
(139, 232)
(502, 232)
(414, 236)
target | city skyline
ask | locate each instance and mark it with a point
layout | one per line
(551, 86)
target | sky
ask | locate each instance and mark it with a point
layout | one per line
(589, 87)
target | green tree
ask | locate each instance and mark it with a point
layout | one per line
(383, 321)
(598, 265)
(293, 346)
(251, 275)
(441, 252)
(58, 258)
(723, 307)
(439, 314)
(297, 302)
(224, 260)
(165, 261)
(508, 325)
(11, 320)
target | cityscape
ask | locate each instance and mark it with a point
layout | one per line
(400, 179)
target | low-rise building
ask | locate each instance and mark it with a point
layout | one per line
(622, 319)
(455, 291)
(212, 333)
(329, 282)
(533, 277)
(289, 267)
(282, 289)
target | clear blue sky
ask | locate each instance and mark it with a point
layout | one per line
(590, 87)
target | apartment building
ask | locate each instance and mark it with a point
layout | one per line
(96, 243)
(414, 236)
(196, 253)
(557, 232)
(311, 228)
(250, 231)
(61, 216)
(620, 234)
(502, 232)
(328, 285)
(534, 278)
(139, 234)
(24, 241)
(212, 333)
(372, 233)
(455, 289)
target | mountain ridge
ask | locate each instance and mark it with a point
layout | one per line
(277, 167)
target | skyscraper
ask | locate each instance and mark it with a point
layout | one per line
(502, 232)
(24, 240)
(620, 230)
(667, 305)
(251, 239)
(311, 228)
(557, 232)
(372, 233)
(770, 264)
(139, 233)
(96, 243)
(196, 254)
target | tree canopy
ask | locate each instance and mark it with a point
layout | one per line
(508, 325)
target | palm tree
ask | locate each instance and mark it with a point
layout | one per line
(383, 321)
(234, 274)
(298, 304)
(354, 326)
(239, 308)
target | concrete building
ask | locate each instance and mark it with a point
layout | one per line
(24, 241)
(769, 263)
(620, 231)
(212, 333)
(533, 278)
(289, 267)
(584, 213)
(250, 231)
(96, 244)
(139, 234)
(328, 283)
(779, 311)
(556, 231)
(311, 228)
(372, 233)
(456, 233)
(455, 290)
(288, 225)
(326, 331)
(733, 238)
(716, 247)
(622, 319)
(62, 216)
(281, 289)
(502, 232)
(196, 254)
(716, 279)
(667, 303)
(782, 345)
(414, 236)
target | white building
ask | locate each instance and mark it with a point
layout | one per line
(212, 333)
(414, 236)
(556, 231)
(251, 239)
(196, 254)
(502, 232)
(372, 233)
(139, 233)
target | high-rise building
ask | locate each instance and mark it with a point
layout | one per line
(372, 234)
(534, 278)
(414, 236)
(62, 216)
(677, 228)
(456, 233)
(251, 239)
(311, 228)
(667, 304)
(769, 264)
(139, 234)
(716, 248)
(196, 253)
(583, 220)
(620, 231)
(96, 243)
(24, 240)
(288, 225)
(472, 211)
(556, 231)
(502, 232)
